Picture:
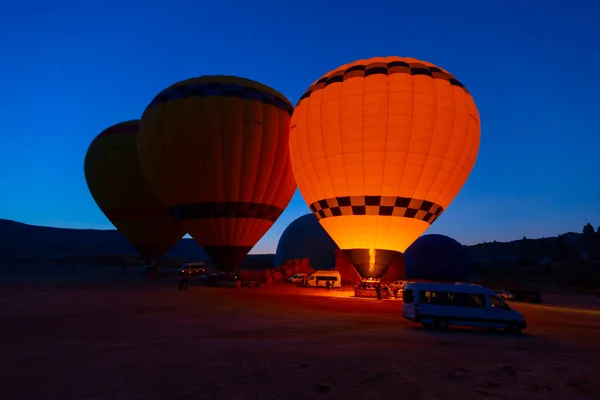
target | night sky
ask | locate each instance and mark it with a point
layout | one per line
(69, 69)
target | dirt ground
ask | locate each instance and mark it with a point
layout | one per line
(97, 333)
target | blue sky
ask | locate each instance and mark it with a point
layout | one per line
(69, 69)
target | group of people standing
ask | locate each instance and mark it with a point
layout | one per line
(386, 290)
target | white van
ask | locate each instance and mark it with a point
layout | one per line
(398, 284)
(298, 278)
(442, 305)
(192, 268)
(321, 277)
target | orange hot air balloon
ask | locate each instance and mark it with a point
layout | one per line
(379, 149)
(118, 185)
(215, 148)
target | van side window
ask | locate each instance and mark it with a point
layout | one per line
(468, 300)
(451, 299)
(312, 278)
(435, 298)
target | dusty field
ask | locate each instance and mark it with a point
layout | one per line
(99, 334)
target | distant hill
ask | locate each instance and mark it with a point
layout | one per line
(18, 240)
(569, 260)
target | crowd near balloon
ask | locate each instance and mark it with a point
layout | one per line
(378, 148)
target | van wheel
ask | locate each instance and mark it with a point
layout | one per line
(442, 324)
(513, 328)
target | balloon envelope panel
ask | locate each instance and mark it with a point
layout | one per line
(306, 238)
(119, 187)
(215, 148)
(379, 149)
(437, 258)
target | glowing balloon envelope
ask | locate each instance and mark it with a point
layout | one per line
(215, 148)
(379, 149)
(118, 185)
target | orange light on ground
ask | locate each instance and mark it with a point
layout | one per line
(379, 149)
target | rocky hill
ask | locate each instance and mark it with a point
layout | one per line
(23, 241)
(571, 259)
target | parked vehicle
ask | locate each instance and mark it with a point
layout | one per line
(504, 295)
(444, 305)
(194, 268)
(216, 278)
(321, 277)
(398, 284)
(527, 295)
(298, 278)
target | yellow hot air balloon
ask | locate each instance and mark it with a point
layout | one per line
(119, 187)
(379, 149)
(215, 148)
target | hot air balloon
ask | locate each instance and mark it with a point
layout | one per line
(215, 148)
(306, 238)
(438, 258)
(118, 185)
(379, 149)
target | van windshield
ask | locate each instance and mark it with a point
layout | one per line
(496, 301)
